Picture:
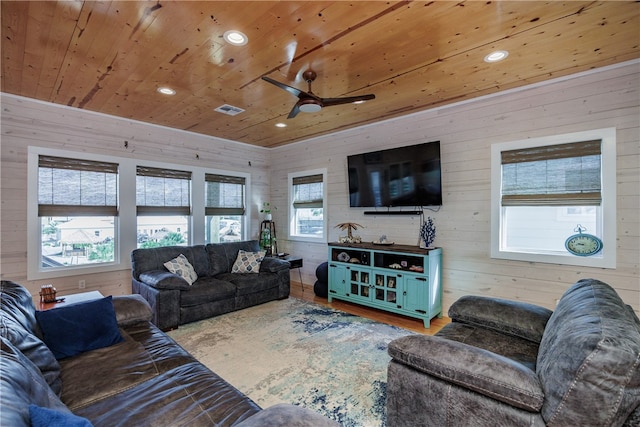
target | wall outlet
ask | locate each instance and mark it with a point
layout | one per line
(81, 284)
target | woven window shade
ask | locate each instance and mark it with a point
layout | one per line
(307, 191)
(76, 187)
(224, 195)
(555, 175)
(162, 191)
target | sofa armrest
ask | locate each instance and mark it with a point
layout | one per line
(470, 367)
(515, 318)
(131, 309)
(287, 415)
(160, 279)
(273, 265)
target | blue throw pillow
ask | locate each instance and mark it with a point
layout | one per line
(45, 417)
(74, 329)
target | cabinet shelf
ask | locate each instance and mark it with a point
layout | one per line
(398, 278)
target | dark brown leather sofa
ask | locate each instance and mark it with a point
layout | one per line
(145, 380)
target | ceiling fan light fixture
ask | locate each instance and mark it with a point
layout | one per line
(236, 38)
(310, 106)
(496, 56)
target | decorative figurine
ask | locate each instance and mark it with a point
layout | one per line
(349, 226)
(427, 233)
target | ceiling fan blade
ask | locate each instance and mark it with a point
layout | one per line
(327, 102)
(292, 90)
(294, 111)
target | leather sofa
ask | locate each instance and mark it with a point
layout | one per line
(216, 291)
(144, 380)
(510, 363)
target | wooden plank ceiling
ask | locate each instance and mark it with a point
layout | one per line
(111, 56)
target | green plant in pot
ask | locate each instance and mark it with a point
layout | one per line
(266, 210)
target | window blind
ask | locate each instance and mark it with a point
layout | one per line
(224, 195)
(76, 187)
(307, 191)
(162, 191)
(561, 175)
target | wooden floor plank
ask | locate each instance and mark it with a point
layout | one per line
(415, 325)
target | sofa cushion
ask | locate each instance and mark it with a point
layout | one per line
(206, 290)
(18, 324)
(149, 259)
(188, 395)
(95, 375)
(248, 283)
(590, 358)
(181, 266)
(94, 324)
(223, 255)
(248, 262)
(45, 417)
(22, 384)
(17, 302)
(34, 349)
(510, 317)
(162, 279)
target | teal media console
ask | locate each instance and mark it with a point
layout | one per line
(399, 278)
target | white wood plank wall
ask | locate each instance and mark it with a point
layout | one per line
(603, 98)
(595, 100)
(26, 122)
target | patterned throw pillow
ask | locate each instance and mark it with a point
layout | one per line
(182, 268)
(248, 262)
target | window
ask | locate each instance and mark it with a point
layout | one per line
(163, 199)
(87, 212)
(77, 211)
(224, 208)
(307, 209)
(544, 189)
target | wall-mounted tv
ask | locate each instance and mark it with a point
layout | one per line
(403, 176)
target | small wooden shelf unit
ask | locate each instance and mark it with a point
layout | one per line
(399, 278)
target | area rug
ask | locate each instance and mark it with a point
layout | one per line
(302, 353)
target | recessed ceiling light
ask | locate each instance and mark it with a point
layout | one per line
(362, 101)
(281, 125)
(496, 56)
(166, 91)
(235, 38)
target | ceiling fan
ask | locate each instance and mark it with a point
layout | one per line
(308, 101)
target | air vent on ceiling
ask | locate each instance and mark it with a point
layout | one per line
(229, 110)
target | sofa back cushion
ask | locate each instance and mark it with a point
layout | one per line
(22, 384)
(589, 358)
(18, 326)
(149, 259)
(223, 255)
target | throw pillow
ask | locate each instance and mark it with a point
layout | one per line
(181, 266)
(74, 329)
(248, 262)
(45, 417)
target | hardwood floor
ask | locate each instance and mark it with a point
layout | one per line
(409, 323)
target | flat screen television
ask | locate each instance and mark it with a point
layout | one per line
(403, 176)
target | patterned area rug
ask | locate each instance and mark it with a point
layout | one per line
(302, 353)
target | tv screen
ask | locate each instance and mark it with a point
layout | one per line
(404, 176)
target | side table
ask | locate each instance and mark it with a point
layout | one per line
(294, 262)
(67, 299)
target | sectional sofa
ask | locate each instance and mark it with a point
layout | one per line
(103, 363)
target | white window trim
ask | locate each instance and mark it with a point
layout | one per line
(290, 177)
(608, 258)
(126, 222)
